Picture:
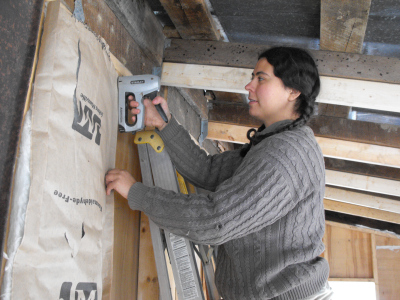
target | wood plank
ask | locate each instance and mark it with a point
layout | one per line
(232, 113)
(356, 131)
(349, 253)
(126, 226)
(364, 229)
(330, 147)
(375, 264)
(353, 279)
(102, 20)
(192, 19)
(142, 25)
(363, 183)
(170, 32)
(358, 210)
(360, 152)
(330, 110)
(343, 24)
(239, 55)
(361, 168)
(228, 132)
(388, 260)
(148, 287)
(378, 202)
(126, 221)
(197, 100)
(355, 93)
(323, 124)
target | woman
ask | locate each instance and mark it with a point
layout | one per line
(265, 208)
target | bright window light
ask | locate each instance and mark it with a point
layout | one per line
(350, 290)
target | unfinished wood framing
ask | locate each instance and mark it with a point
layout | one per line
(378, 202)
(141, 23)
(360, 152)
(362, 211)
(363, 183)
(354, 93)
(349, 253)
(330, 147)
(192, 19)
(388, 266)
(239, 55)
(324, 124)
(356, 131)
(343, 24)
(362, 254)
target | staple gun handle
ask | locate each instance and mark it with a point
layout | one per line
(162, 113)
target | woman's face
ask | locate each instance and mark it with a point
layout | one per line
(269, 100)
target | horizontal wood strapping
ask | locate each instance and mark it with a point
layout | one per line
(339, 91)
(330, 63)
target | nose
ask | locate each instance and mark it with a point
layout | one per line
(249, 86)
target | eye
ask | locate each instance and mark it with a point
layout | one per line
(260, 78)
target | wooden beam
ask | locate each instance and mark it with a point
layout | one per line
(330, 63)
(227, 132)
(197, 100)
(356, 131)
(388, 267)
(322, 124)
(355, 93)
(362, 168)
(362, 229)
(363, 183)
(192, 19)
(362, 199)
(375, 265)
(343, 24)
(352, 279)
(330, 147)
(381, 155)
(143, 26)
(349, 253)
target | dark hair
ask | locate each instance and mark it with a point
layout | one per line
(296, 68)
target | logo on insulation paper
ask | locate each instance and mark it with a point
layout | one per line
(83, 291)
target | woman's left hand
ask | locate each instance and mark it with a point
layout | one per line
(120, 181)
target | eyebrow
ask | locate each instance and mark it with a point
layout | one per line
(259, 73)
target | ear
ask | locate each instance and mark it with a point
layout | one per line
(293, 94)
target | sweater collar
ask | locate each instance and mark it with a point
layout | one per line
(276, 126)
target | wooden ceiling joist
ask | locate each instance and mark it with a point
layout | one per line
(330, 63)
(192, 19)
(362, 183)
(368, 200)
(141, 23)
(360, 152)
(343, 24)
(328, 126)
(339, 91)
(362, 211)
(340, 149)
(362, 168)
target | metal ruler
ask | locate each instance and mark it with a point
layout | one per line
(157, 170)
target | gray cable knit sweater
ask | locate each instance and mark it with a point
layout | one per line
(265, 212)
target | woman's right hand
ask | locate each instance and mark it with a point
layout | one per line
(152, 117)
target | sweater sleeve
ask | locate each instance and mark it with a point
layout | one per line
(255, 196)
(193, 163)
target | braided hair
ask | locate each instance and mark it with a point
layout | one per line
(297, 70)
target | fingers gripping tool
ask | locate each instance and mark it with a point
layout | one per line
(140, 87)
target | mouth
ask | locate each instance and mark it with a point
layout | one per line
(251, 101)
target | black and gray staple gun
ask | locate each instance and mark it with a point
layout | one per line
(141, 87)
